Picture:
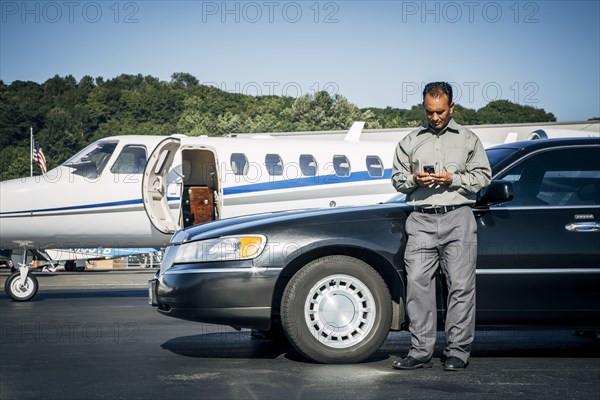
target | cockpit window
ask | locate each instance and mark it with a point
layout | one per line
(90, 162)
(132, 160)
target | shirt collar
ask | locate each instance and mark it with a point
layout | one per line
(451, 127)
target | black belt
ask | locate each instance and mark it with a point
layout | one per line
(437, 210)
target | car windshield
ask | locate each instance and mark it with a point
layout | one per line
(397, 198)
(495, 155)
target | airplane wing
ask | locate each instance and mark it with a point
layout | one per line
(86, 254)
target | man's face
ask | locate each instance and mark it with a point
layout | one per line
(438, 111)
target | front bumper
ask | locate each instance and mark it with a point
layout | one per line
(221, 293)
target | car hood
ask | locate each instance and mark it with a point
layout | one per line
(258, 223)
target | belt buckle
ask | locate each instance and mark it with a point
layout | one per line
(439, 210)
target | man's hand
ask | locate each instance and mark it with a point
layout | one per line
(443, 178)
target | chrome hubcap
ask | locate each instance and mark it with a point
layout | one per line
(340, 311)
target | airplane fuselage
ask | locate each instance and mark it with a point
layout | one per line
(98, 197)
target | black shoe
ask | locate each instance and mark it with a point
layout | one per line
(411, 363)
(455, 364)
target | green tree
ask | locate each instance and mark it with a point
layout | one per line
(183, 80)
(66, 115)
(465, 116)
(14, 162)
(504, 112)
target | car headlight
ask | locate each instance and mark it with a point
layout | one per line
(227, 248)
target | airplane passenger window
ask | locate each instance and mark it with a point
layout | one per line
(132, 160)
(374, 166)
(239, 163)
(341, 164)
(308, 165)
(274, 164)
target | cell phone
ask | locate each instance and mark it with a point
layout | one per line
(430, 169)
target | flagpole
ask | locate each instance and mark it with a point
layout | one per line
(31, 151)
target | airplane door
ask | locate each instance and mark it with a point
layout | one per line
(154, 186)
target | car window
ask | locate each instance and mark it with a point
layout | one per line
(561, 177)
(132, 160)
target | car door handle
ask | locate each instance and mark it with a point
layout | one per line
(583, 227)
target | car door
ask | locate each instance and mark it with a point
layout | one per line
(539, 254)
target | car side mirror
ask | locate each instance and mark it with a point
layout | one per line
(497, 192)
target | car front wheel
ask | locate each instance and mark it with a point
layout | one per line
(336, 309)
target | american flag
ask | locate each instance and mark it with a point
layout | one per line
(38, 156)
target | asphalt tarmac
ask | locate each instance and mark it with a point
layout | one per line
(92, 335)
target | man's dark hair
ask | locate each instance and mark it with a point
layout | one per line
(436, 89)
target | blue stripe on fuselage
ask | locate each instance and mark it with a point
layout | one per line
(304, 182)
(85, 206)
(240, 189)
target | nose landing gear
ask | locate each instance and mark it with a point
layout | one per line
(22, 285)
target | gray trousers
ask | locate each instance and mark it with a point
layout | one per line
(448, 241)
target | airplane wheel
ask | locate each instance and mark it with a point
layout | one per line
(69, 265)
(19, 290)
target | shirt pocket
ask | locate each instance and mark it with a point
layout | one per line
(455, 159)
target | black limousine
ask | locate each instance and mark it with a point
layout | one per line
(333, 279)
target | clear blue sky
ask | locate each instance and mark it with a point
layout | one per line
(375, 53)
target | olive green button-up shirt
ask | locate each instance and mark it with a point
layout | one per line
(457, 150)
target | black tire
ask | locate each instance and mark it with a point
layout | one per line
(69, 265)
(336, 310)
(18, 291)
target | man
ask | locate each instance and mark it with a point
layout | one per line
(440, 168)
